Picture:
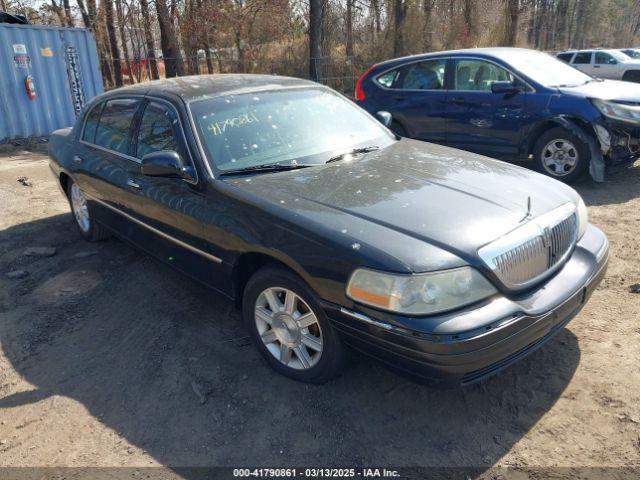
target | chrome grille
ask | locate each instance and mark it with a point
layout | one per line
(534, 250)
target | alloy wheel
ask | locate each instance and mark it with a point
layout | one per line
(80, 209)
(560, 157)
(288, 327)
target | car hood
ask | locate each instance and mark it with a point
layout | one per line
(451, 199)
(607, 90)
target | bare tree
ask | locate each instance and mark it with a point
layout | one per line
(169, 41)
(399, 14)
(113, 42)
(349, 28)
(511, 17)
(148, 36)
(315, 39)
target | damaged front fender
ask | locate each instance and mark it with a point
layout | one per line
(596, 147)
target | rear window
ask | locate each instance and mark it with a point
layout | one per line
(582, 58)
(114, 128)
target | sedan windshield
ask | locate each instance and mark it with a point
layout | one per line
(545, 69)
(298, 126)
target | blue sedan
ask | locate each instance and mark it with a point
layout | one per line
(509, 103)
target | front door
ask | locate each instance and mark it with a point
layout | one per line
(479, 120)
(172, 209)
(605, 65)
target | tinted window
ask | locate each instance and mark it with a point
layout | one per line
(115, 124)
(582, 58)
(388, 79)
(427, 75)
(603, 58)
(479, 75)
(565, 57)
(156, 131)
(91, 124)
(306, 125)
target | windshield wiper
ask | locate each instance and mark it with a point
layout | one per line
(355, 151)
(268, 167)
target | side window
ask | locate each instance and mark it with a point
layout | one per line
(603, 58)
(91, 123)
(156, 131)
(582, 58)
(388, 79)
(565, 57)
(478, 75)
(427, 75)
(114, 128)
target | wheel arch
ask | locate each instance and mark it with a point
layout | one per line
(64, 182)
(584, 130)
(568, 122)
(249, 263)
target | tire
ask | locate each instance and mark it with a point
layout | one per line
(398, 129)
(286, 338)
(632, 76)
(88, 228)
(560, 154)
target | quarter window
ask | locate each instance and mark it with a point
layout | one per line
(114, 128)
(388, 79)
(603, 58)
(91, 124)
(478, 75)
(156, 131)
(582, 58)
(565, 57)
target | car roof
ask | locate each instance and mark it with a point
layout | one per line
(197, 87)
(496, 52)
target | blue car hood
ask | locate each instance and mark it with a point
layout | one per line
(606, 90)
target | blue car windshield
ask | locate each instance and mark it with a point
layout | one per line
(305, 126)
(545, 69)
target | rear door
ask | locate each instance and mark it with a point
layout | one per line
(415, 95)
(584, 61)
(103, 162)
(479, 120)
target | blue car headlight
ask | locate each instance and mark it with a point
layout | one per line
(617, 111)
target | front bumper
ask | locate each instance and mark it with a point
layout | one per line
(467, 346)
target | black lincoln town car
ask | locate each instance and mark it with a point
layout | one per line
(327, 230)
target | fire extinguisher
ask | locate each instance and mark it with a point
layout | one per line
(30, 86)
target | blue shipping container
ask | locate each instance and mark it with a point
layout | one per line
(63, 64)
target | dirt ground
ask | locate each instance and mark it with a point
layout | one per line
(110, 358)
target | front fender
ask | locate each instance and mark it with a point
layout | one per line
(584, 131)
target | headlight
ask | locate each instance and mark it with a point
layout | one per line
(583, 217)
(618, 111)
(419, 294)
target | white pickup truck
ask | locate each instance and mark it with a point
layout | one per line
(611, 64)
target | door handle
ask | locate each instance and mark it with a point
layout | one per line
(596, 66)
(457, 100)
(77, 159)
(399, 97)
(133, 184)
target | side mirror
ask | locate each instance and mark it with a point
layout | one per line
(384, 118)
(505, 87)
(165, 163)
